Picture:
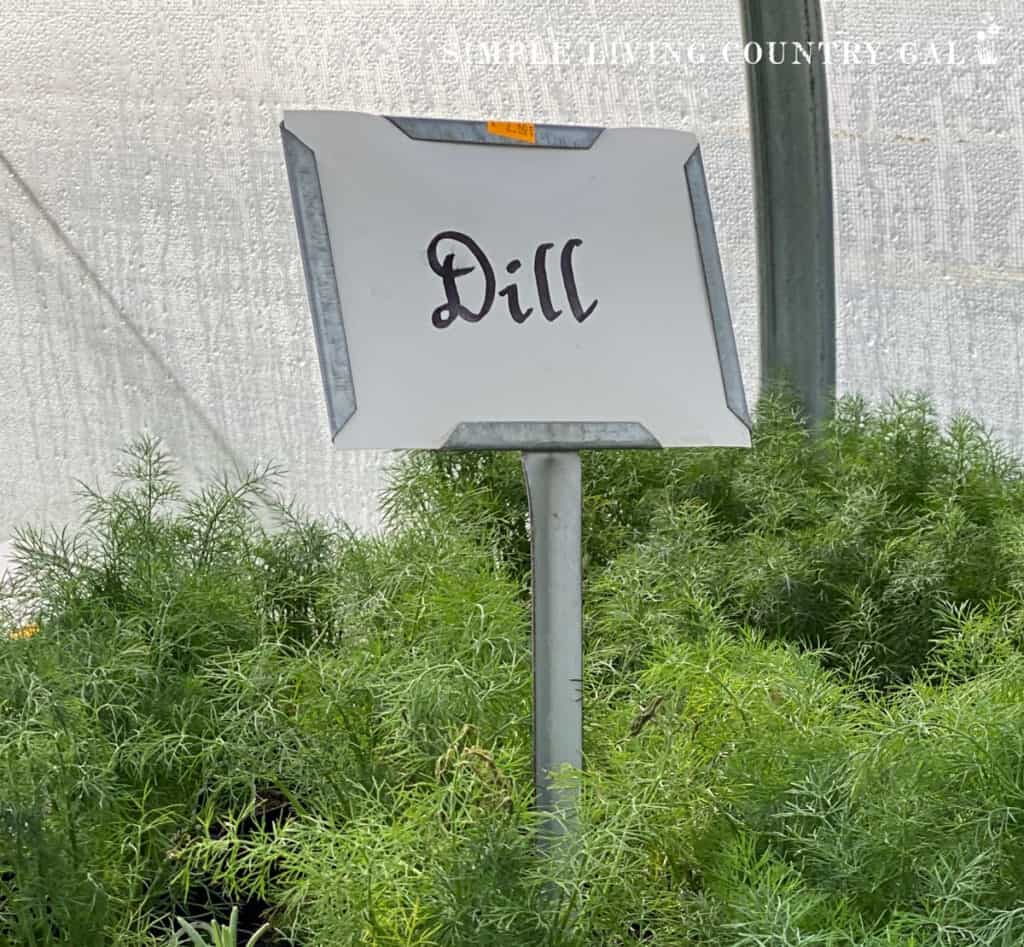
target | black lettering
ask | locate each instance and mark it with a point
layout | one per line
(455, 308)
(512, 292)
(569, 282)
(445, 314)
(543, 289)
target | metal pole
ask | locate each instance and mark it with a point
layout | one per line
(793, 187)
(554, 489)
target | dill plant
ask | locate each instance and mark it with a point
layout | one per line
(802, 703)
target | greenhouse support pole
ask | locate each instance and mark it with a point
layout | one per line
(554, 490)
(792, 164)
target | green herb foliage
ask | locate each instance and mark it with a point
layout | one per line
(803, 718)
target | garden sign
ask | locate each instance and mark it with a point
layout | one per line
(510, 286)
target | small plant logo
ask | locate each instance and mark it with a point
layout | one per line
(987, 53)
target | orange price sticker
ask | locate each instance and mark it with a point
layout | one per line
(518, 131)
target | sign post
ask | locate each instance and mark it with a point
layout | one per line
(554, 489)
(509, 286)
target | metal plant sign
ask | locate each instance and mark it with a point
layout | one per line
(509, 286)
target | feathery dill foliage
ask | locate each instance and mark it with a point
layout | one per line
(856, 542)
(802, 681)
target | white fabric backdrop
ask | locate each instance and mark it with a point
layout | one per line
(149, 275)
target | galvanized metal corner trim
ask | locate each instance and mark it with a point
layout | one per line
(550, 436)
(476, 133)
(321, 280)
(714, 282)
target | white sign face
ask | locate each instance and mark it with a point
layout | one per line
(491, 285)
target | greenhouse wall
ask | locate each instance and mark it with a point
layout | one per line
(151, 279)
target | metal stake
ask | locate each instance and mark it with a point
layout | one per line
(793, 188)
(554, 489)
